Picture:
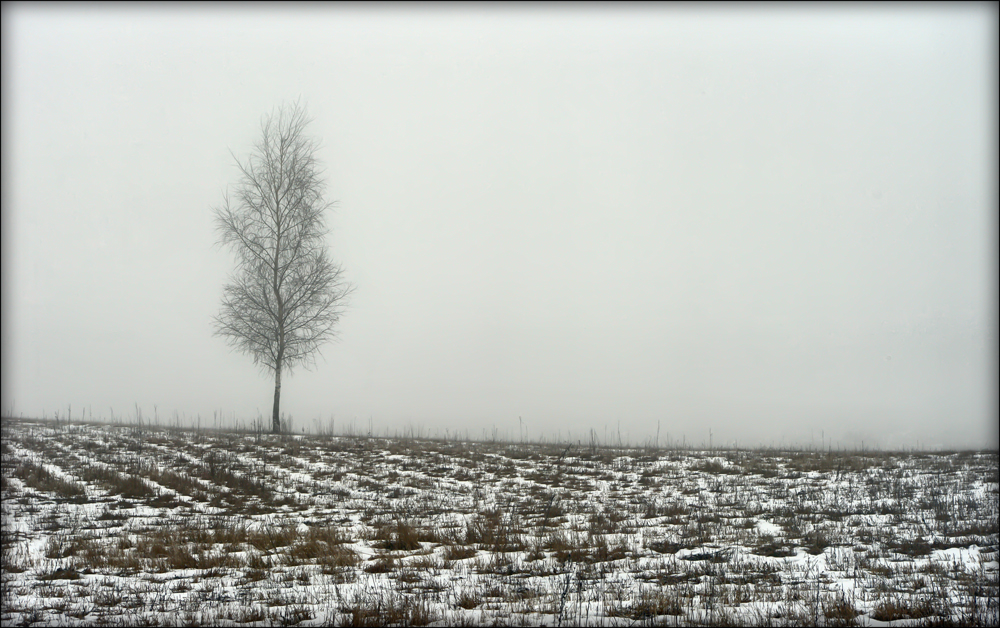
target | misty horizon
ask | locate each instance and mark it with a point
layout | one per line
(754, 226)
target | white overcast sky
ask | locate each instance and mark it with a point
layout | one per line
(775, 223)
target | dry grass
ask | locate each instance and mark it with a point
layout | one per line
(129, 526)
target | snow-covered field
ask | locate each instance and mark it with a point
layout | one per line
(122, 525)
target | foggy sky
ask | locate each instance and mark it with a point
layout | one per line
(777, 224)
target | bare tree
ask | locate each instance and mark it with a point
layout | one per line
(285, 295)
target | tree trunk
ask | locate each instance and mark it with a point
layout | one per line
(275, 420)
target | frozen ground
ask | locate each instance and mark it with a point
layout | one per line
(115, 525)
